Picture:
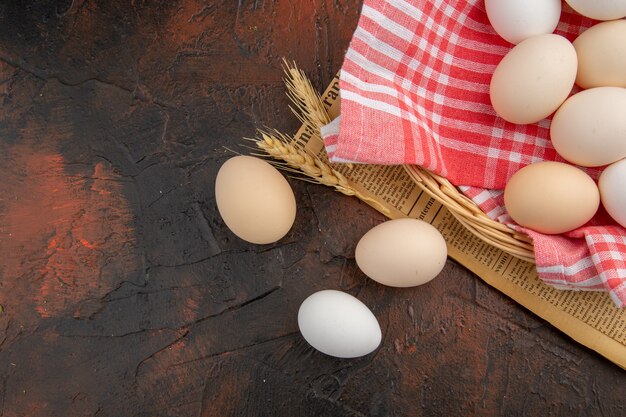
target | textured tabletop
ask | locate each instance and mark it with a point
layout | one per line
(124, 294)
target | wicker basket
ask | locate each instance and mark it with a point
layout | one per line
(470, 215)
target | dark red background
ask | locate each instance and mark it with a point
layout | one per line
(123, 293)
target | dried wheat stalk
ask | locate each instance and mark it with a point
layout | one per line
(310, 110)
(298, 160)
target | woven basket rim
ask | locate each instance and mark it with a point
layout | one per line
(471, 216)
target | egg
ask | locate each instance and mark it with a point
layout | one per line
(589, 129)
(254, 199)
(516, 20)
(338, 324)
(401, 253)
(599, 9)
(613, 191)
(551, 197)
(601, 51)
(533, 79)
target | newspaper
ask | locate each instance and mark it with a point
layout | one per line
(590, 318)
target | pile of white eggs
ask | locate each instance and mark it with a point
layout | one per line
(535, 80)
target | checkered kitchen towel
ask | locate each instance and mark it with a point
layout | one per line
(415, 90)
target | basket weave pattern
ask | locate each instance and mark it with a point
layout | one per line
(471, 216)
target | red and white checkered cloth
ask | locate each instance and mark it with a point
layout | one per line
(415, 90)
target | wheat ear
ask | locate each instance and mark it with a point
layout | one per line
(281, 147)
(309, 108)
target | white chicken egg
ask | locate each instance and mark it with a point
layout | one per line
(516, 20)
(613, 191)
(338, 324)
(599, 9)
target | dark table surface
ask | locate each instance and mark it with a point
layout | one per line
(124, 294)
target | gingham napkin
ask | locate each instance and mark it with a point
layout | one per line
(415, 90)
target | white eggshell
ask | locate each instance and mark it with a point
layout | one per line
(402, 253)
(516, 20)
(254, 199)
(599, 9)
(612, 184)
(533, 79)
(338, 324)
(590, 127)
